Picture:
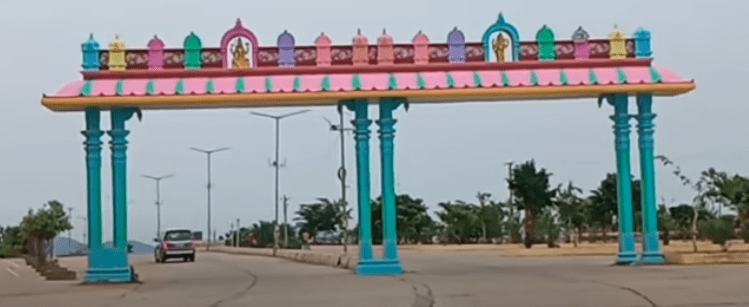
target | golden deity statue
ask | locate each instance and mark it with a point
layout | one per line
(499, 45)
(239, 55)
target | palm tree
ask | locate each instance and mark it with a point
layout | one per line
(483, 212)
(531, 187)
(571, 210)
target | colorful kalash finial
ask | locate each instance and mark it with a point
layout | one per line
(323, 44)
(193, 46)
(545, 39)
(117, 55)
(90, 50)
(421, 48)
(618, 48)
(286, 56)
(582, 45)
(361, 49)
(385, 48)
(457, 46)
(156, 53)
(642, 43)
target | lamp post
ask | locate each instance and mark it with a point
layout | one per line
(208, 156)
(158, 200)
(342, 174)
(278, 119)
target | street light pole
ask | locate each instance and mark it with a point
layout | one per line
(158, 200)
(285, 225)
(277, 118)
(208, 156)
(236, 237)
(342, 174)
(70, 231)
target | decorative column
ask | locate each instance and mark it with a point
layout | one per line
(93, 144)
(627, 252)
(116, 258)
(391, 263)
(361, 136)
(651, 246)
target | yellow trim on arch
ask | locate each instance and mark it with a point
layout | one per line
(331, 98)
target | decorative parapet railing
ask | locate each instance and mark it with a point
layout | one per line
(240, 50)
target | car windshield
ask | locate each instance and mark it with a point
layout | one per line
(178, 236)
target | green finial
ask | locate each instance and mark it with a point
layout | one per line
(120, 87)
(180, 90)
(450, 80)
(357, 83)
(505, 79)
(477, 79)
(534, 77)
(268, 84)
(297, 84)
(151, 88)
(325, 86)
(241, 86)
(392, 82)
(593, 77)
(563, 78)
(210, 87)
(88, 88)
(655, 76)
(421, 81)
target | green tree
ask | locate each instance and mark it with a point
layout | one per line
(706, 188)
(531, 188)
(413, 221)
(461, 221)
(11, 241)
(604, 206)
(44, 225)
(324, 215)
(666, 223)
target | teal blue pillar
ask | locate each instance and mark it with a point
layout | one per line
(627, 250)
(361, 136)
(652, 253)
(115, 259)
(93, 144)
(391, 264)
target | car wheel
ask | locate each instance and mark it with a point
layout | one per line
(192, 258)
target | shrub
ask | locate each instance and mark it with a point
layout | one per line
(745, 232)
(717, 231)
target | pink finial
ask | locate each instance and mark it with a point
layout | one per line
(385, 52)
(155, 53)
(361, 49)
(421, 48)
(323, 43)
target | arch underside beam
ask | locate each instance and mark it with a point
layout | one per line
(449, 95)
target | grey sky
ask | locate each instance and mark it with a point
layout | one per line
(443, 152)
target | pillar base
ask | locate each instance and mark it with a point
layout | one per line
(119, 275)
(379, 268)
(627, 258)
(653, 258)
(109, 265)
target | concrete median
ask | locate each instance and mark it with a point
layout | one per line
(305, 256)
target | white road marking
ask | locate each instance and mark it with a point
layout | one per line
(13, 272)
(12, 263)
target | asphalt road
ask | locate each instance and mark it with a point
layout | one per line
(432, 279)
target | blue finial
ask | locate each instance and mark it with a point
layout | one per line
(642, 43)
(90, 50)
